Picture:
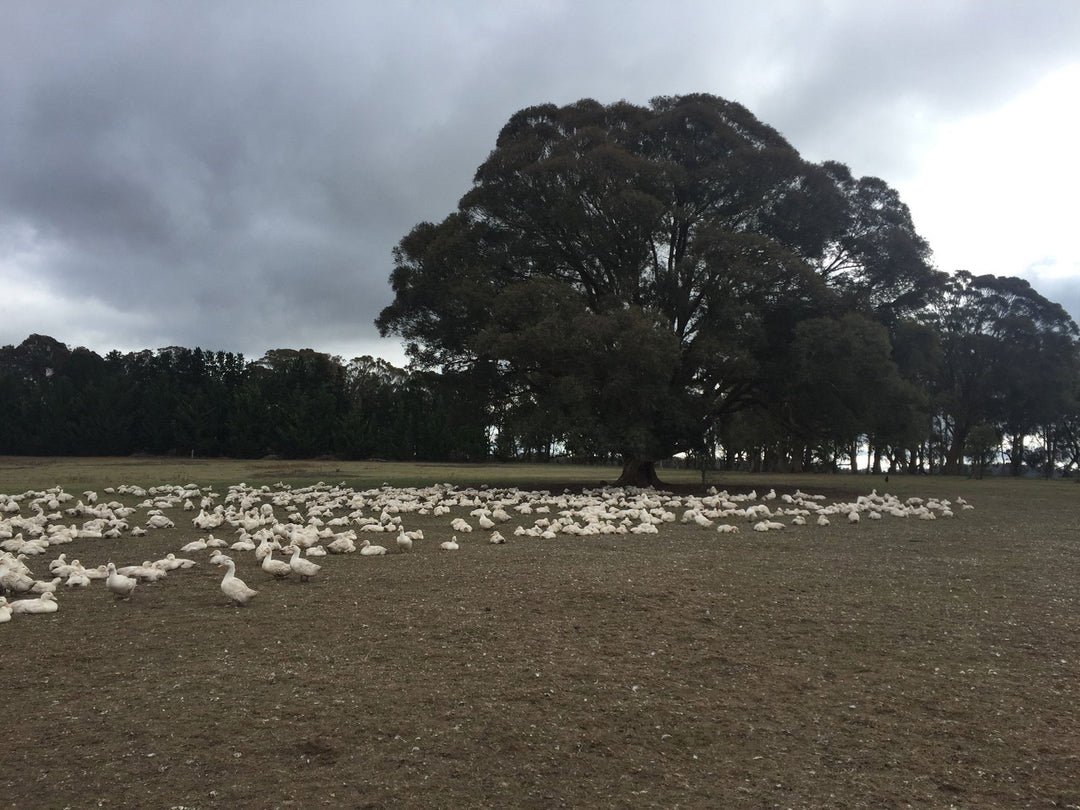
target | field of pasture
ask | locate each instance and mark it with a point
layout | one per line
(891, 662)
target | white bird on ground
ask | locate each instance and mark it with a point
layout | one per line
(496, 539)
(46, 603)
(342, 545)
(450, 545)
(41, 586)
(5, 610)
(170, 562)
(404, 542)
(78, 579)
(234, 587)
(277, 568)
(305, 568)
(368, 550)
(122, 586)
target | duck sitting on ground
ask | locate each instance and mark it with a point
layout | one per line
(369, 550)
(46, 603)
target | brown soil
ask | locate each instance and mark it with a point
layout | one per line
(896, 663)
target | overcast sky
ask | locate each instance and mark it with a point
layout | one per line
(234, 175)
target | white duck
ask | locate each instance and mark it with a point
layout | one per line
(277, 568)
(46, 603)
(305, 568)
(404, 542)
(122, 586)
(170, 562)
(450, 545)
(5, 610)
(368, 550)
(234, 587)
(146, 572)
(342, 545)
(46, 586)
(78, 579)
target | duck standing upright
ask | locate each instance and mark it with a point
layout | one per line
(122, 586)
(234, 587)
(305, 568)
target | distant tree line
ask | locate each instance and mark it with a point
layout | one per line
(987, 369)
(179, 401)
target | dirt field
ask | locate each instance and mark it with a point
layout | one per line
(892, 663)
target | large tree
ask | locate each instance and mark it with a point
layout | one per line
(628, 270)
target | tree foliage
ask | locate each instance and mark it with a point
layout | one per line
(630, 269)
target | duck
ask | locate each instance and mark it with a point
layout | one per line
(5, 610)
(78, 579)
(305, 568)
(450, 545)
(100, 572)
(234, 587)
(43, 586)
(342, 545)
(170, 562)
(194, 545)
(404, 542)
(122, 586)
(15, 581)
(277, 568)
(46, 603)
(496, 538)
(146, 572)
(368, 550)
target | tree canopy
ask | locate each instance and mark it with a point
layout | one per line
(629, 271)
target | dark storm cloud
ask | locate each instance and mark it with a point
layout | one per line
(235, 175)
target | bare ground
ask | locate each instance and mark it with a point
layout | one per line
(896, 663)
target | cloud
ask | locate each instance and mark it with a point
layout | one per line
(235, 175)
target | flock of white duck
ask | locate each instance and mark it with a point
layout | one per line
(311, 522)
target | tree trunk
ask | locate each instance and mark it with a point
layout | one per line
(1016, 455)
(639, 472)
(955, 456)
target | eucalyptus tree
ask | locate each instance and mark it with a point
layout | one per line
(629, 270)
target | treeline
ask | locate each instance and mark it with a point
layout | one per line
(179, 401)
(988, 371)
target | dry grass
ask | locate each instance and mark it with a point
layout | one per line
(888, 664)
